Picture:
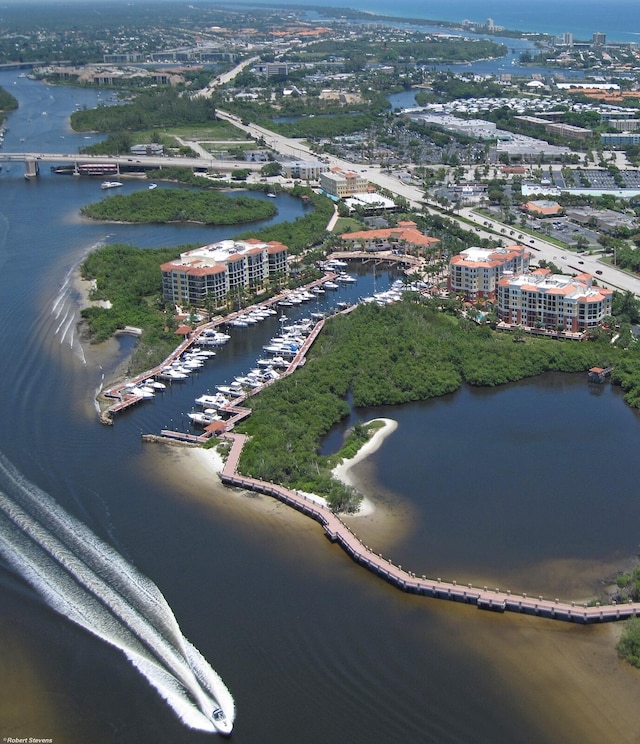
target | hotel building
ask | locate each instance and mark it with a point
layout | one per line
(214, 271)
(554, 301)
(475, 272)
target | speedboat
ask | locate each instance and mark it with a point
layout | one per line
(110, 184)
(221, 722)
(153, 186)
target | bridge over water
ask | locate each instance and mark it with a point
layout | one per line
(118, 164)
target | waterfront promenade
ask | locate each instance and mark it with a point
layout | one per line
(484, 598)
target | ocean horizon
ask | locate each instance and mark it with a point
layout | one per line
(619, 19)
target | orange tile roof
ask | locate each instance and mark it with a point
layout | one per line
(410, 235)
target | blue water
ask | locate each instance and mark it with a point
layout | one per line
(619, 20)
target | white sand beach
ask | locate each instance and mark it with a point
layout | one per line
(342, 472)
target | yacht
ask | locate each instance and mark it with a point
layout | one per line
(110, 184)
(331, 285)
(211, 337)
(212, 401)
(153, 186)
(204, 418)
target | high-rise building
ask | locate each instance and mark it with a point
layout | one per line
(216, 270)
(599, 39)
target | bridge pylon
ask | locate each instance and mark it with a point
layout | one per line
(31, 168)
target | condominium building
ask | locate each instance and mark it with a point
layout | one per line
(475, 272)
(217, 270)
(337, 182)
(554, 301)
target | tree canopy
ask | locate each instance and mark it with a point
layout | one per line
(180, 205)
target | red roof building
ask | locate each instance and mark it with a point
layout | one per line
(475, 272)
(405, 235)
(213, 271)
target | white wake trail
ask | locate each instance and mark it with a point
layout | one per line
(91, 584)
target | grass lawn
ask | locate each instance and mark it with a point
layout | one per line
(346, 225)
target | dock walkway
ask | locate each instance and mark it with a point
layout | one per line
(484, 598)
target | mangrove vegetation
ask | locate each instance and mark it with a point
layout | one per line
(180, 205)
(381, 356)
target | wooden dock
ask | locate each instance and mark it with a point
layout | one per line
(484, 598)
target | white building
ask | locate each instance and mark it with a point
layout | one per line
(553, 301)
(475, 272)
(337, 182)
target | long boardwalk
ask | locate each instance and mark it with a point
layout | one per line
(484, 598)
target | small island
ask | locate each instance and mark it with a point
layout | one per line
(180, 205)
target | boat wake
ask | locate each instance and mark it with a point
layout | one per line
(65, 308)
(92, 585)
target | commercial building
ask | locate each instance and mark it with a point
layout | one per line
(306, 170)
(542, 207)
(337, 182)
(475, 272)
(217, 270)
(553, 301)
(620, 139)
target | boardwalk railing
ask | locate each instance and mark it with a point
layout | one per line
(484, 598)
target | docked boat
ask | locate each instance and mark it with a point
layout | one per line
(204, 418)
(110, 184)
(212, 401)
(211, 337)
(331, 285)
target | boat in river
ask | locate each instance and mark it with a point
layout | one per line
(110, 184)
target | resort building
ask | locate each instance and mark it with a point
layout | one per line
(218, 270)
(337, 182)
(475, 272)
(405, 237)
(553, 301)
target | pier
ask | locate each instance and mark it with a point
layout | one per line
(485, 598)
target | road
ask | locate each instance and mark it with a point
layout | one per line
(568, 261)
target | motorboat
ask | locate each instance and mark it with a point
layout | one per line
(153, 186)
(110, 184)
(204, 418)
(211, 337)
(221, 722)
(331, 285)
(212, 401)
(346, 279)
